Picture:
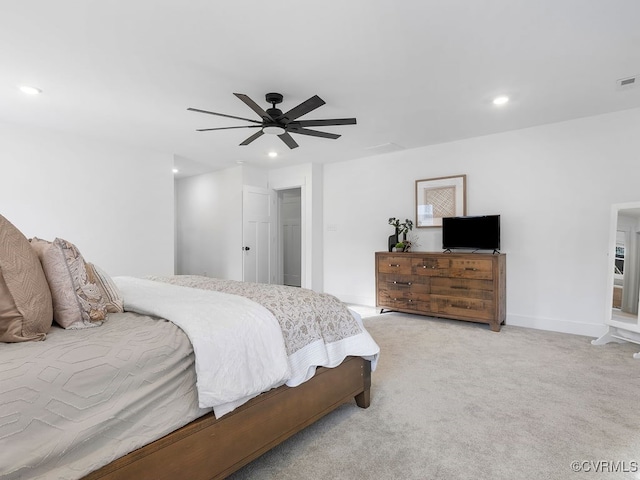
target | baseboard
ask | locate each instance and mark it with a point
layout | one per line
(539, 323)
(557, 325)
(364, 300)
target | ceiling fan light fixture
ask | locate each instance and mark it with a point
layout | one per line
(273, 130)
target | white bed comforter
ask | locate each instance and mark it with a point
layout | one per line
(238, 343)
(249, 338)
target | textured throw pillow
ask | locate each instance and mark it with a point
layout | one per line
(110, 293)
(77, 302)
(25, 300)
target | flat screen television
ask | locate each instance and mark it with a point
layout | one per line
(472, 232)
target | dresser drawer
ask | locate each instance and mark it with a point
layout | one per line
(428, 266)
(471, 268)
(387, 280)
(452, 267)
(394, 264)
(396, 286)
(463, 287)
(403, 301)
(463, 307)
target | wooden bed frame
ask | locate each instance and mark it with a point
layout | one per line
(208, 448)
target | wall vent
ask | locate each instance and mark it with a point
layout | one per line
(384, 148)
(625, 83)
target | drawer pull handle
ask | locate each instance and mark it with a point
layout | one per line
(468, 307)
(401, 283)
(392, 265)
(470, 268)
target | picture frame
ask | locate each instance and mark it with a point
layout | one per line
(440, 197)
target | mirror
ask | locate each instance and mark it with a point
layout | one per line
(623, 286)
(625, 252)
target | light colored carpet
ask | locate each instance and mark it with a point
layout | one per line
(454, 400)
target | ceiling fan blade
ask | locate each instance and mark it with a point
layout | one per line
(254, 106)
(258, 134)
(223, 115)
(288, 139)
(302, 109)
(326, 123)
(227, 128)
(314, 133)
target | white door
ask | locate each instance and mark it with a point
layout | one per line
(289, 213)
(258, 234)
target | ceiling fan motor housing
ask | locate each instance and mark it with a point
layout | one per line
(274, 98)
(274, 112)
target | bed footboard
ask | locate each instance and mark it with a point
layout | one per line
(208, 448)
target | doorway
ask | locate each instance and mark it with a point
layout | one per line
(290, 236)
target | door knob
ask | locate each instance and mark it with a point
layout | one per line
(246, 249)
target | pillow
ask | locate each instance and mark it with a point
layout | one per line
(25, 300)
(110, 293)
(77, 302)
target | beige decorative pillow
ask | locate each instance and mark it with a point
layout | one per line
(40, 246)
(110, 293)
(77, 302)
(25, 300)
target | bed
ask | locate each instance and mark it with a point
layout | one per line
(130, 394)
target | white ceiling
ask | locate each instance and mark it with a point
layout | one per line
(413, 72)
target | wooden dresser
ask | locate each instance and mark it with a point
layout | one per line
(462, 286)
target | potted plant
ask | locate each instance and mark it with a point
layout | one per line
(401, 229)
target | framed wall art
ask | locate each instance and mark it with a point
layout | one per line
(440, 197)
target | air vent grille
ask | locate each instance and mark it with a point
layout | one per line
(625, 83)
(384, 148)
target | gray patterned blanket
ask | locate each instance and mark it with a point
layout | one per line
(318, 329)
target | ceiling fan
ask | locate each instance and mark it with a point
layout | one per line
(275, 122)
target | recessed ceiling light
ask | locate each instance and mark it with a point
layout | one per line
(273, 154)
(500, 100)
(30, 90)
(175, 170)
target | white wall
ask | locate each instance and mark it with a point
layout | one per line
(553, 186)
(209, 221)
(114, 203)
